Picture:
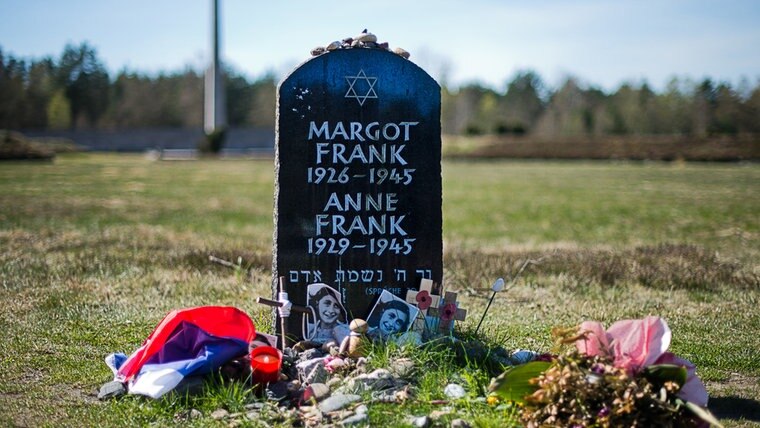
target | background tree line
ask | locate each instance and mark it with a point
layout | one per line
(76, 91)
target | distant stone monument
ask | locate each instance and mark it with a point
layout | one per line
(358, 177)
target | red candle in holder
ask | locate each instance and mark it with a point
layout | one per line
(265, 364)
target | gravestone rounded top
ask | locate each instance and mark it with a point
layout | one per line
(397, 79)
(358, 188)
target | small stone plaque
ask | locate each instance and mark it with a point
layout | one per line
(358, 179)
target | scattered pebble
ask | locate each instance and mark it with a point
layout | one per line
(316, 392)
(399, 395)
(454, 391)
(336, 364)
(438, 414)
(378, 380)
(219, 414)
(364, 40)
(334, 381)
(113, 389)
(188, 414)
(366, 37)
(312, 416)
(357, 419)
(402, 53)
(460, 423)
(254, 406)
(318, 374)
(337, 402)
(361, 364)
(421, 422)
(306, 367)
(402, 367)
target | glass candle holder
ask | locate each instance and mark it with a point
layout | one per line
(265, 364)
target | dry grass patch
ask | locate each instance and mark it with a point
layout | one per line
(668, 266)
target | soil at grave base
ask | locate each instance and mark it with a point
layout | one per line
(729, 399)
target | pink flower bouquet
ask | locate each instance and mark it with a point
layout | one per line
(635, 345)
(621, 376)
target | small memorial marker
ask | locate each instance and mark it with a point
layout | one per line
(424, 299)
(448, 312)
(358, 177)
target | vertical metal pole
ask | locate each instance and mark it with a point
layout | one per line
(485, 312)
(283, 334)
(214, 114)
(215, 34)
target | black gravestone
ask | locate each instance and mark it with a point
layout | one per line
(358, 178)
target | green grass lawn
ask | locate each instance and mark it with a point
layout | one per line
(96, 249)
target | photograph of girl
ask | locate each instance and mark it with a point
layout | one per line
(329, 322)
(390, 316)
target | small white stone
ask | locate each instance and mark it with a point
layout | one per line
(358, 419)
(459, 423)
(334, 45)
(219, 414)
(366, 37)
(336, 364)
(337, 402)
(454, 391)
(402, 53)
(421, 422)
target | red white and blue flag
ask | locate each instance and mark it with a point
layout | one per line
(193, 341)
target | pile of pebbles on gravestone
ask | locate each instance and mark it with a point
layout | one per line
(363, 40)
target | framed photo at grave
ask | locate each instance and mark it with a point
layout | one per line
(390, 316)
(329, 318)
(358, 179)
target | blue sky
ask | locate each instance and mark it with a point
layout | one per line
(601, 42)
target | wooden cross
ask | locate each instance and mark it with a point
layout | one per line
(424, 299)
(448, 312)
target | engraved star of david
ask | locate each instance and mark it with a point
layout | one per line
(352, 80)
